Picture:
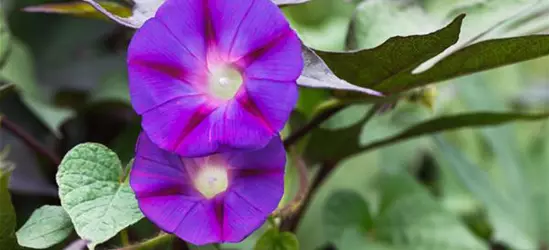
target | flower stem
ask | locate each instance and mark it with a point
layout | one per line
(159, 240)
(124, 238)
(313, 123)
(292, 222)
(299, 197)
(29, 140)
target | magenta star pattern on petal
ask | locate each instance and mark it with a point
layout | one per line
(214, 75)
(219, 198)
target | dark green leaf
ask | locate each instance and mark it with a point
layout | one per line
(316, 74)
(475, 58)
(346, 209)
(452, 122)
(7, 212)
(272, 239)
(46, 227)
(333, 144)
(370, 68)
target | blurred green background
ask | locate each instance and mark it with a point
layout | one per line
(470, 189)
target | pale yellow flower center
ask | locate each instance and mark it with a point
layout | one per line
(224, 82)
(211, 181)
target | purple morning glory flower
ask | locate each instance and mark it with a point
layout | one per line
(214, 75)
(219, 198)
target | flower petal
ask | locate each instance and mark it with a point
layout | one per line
(156, 172)
(186, 21)
(225, 17)
(160, 69)
(272, 99)
(232, 126)
(240, 218)
(200, 226)
(242, 28)
(249, 202)
(280, 60)
(261, 191)
(169, 124)
(255, 161)
(165, 195)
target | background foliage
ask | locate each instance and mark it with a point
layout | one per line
(424, 172)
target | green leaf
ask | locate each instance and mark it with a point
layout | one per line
(370, 68)
(452, 122)
(81, 9)
(475, 58)
(272, 239)
(93, 191)
(316, 74)
(19, 70)
(355, 240)
(503, 212)
(411, 219)
(113, 89)
(46, 227)
(5, 42)
(7, 212)
(346, 209)
(334, 144)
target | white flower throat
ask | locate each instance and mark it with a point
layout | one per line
(211, 181)
(224, 82)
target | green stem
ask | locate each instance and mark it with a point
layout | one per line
(124, 238)
(161, 239)
(292, 222)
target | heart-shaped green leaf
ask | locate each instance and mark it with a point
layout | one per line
(95, 194)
